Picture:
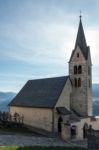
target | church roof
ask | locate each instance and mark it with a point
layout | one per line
(41, 93)
(63, 111)
(81, 41)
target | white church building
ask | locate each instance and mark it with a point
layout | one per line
(61, 105)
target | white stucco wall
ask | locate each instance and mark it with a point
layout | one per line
(37, 117)
(63, 101)
(80, 125)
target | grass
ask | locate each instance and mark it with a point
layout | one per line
(20, 130)
(40, 148)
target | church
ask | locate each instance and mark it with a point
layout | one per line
(61, 105)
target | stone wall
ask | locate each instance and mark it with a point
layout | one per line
(66, 135)
(63, 101)
(36, 117)
(64, 98)
(93, 122)
(81, 97)
(93, 140)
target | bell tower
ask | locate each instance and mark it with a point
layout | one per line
(80, 72)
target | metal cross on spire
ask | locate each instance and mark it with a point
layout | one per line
(80, 14)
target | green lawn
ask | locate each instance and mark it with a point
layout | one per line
(40, 148)
(20, 130)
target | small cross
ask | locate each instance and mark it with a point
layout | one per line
(80, 14)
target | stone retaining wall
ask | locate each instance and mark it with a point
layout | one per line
(93, 140)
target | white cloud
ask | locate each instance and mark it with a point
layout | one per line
(49, 44)
(93, 42)
(44, 35)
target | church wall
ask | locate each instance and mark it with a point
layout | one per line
(80, 125)
(63, 101)
(37, 117)
(89, 83)
(65, 132)
(81, 96)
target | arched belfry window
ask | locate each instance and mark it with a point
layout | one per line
(79, 82)
(79, 69)
(77, 54)
(75, 82)
(75, 69)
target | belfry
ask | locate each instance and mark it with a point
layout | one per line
(80, 71)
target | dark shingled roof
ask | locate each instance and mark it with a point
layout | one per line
(63, 111)
(42, 93)
(81, 42)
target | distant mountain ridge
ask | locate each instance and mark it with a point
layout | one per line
(6, 97)
(95, 90)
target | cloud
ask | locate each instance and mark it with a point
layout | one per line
(14, 82)
(37, 38)
(40, 46)
(92, 38)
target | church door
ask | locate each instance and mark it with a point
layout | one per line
(60, 125)
(85, 130)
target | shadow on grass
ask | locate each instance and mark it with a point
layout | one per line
(49, 148)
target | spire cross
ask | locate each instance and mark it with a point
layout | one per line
(80, 14)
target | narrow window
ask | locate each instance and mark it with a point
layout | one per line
(75, 69)
(79, 69)
(89, 71)
(79, 82)
(75, 82)
(73, 131)
(77, 54)
(89, 83)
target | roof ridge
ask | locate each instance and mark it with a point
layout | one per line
(50, 78)
(81, 40)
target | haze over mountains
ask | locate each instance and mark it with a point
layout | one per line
(6, 97)
(95, 99)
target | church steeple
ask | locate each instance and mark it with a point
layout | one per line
(81, 40)
(80, 75)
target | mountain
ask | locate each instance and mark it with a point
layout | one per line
(6, 97)
(96, 105)
(95, 90)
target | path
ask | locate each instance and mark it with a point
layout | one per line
(23, 140)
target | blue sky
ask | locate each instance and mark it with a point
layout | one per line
(37, 38)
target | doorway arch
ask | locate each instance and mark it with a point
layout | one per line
(85, 130)
(60, 120)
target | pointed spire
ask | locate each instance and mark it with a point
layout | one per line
(80, 40)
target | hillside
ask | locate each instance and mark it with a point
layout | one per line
(5, 98)
(95, 90)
